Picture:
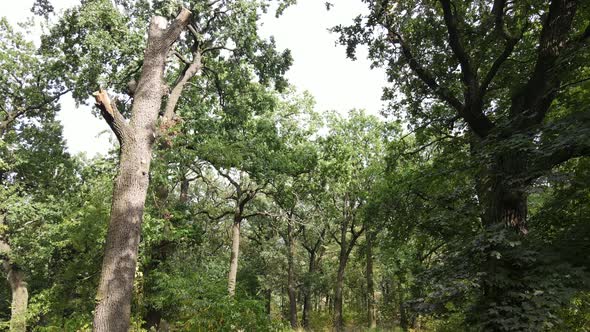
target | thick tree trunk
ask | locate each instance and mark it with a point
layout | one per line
(113, 308)
(371, 310)
(20, 300)
(503, 197)
(18, 285)
(503, 191)
(235, 251)
(291, 276)
(307, 292)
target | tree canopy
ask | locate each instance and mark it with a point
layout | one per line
(232, 203)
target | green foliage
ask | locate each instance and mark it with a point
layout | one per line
(242, 131)
(198, 292)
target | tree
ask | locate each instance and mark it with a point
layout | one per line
(212, 27)
(256, 142)
(27, 119)
(507, 100)
(350, 157)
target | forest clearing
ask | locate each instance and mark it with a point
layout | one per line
(232, 198)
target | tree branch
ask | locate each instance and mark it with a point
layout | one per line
(498, 10)
(472, 112)
(422, 73)
(226, 213)
(181, 58)
(567, 138)
(508, 48)
(540, 90)
(228, 177)
(469, 76)
(355, 236)
(189, 71)
(176, 27)
(111, 114)
(11, 116)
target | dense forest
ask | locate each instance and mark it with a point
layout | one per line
(230, 202)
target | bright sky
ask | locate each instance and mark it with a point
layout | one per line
(320, 66)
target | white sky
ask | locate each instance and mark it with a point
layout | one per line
(320, 67)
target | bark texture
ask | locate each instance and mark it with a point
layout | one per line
(18, 285)
(235, 251)
(20, 298)
(136, 138)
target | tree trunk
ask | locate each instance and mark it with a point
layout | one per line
(503, 191)
(342, 259)
(235, 251)
(338, 319)
(20, 299)
(403, 316)
(371, 310)
(18, 286)
(291, 276)
(113, 308)
(155, 322)
(269, 302)
(184, 187)
(503, 197)
(307, 292)
(345, 250)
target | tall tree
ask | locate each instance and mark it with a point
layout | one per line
(351, 156)
(29, 138)
(116, 43)
(509, 100)
(113, 309)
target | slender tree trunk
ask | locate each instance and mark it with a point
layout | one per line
(235, 251)
(371, 310)
(269, 302)
(403, 316)
(338, 299)
(307, 292)
(291, 276)
(184, 187)
(113, 308)
(345, 250)
(342, 260)
(306, 311)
